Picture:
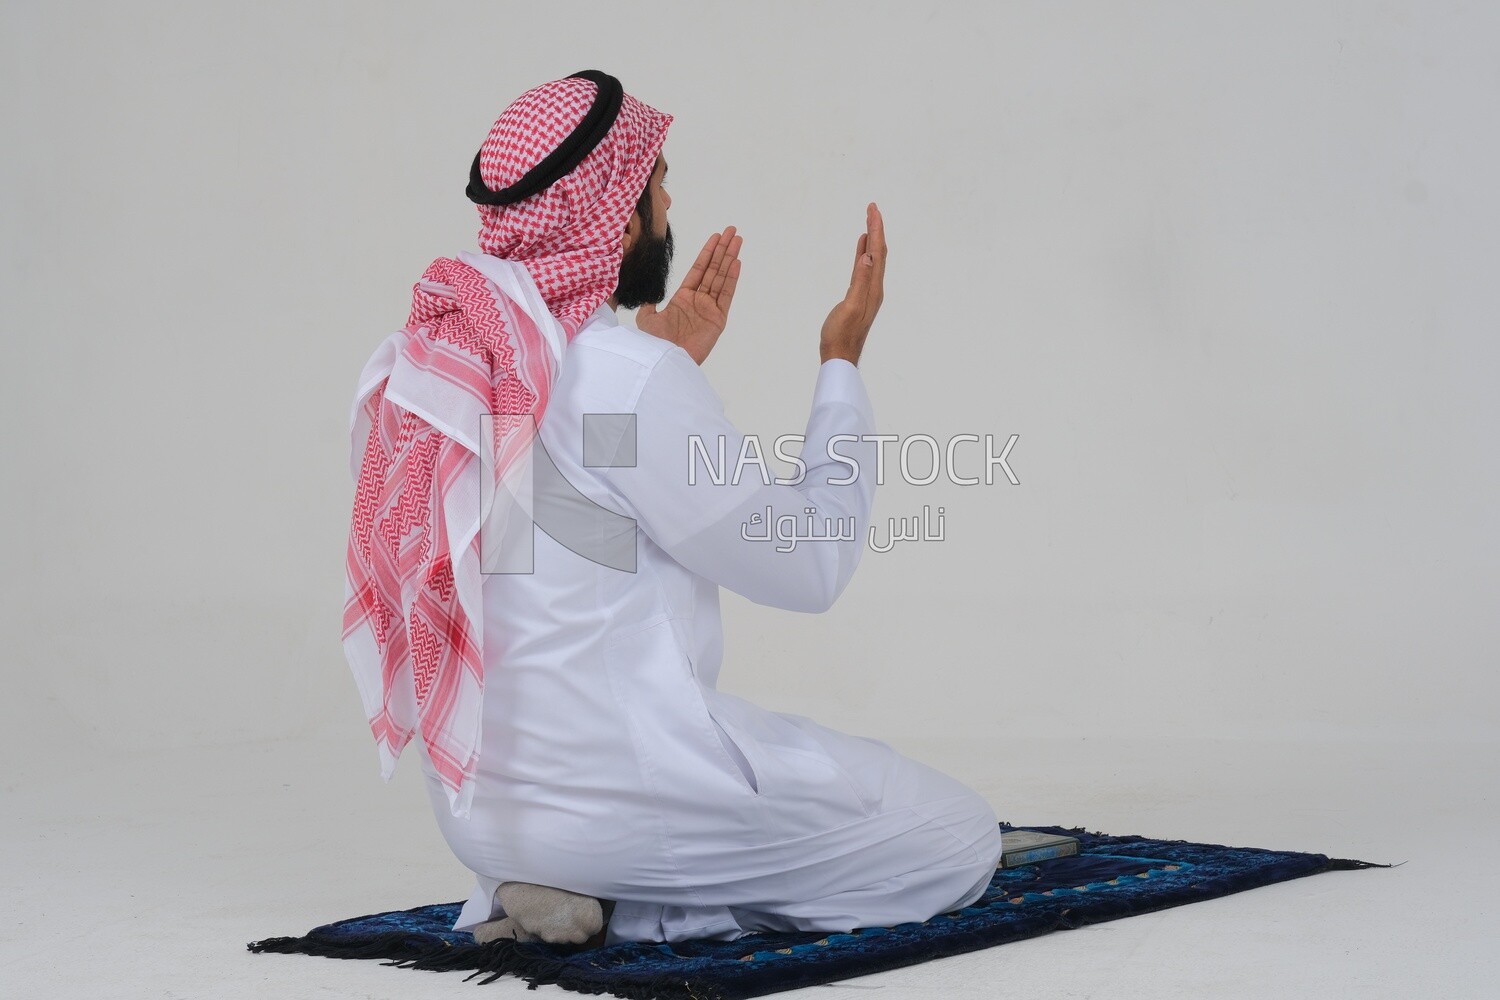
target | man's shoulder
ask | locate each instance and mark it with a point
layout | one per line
(616, 361)
(625, 342)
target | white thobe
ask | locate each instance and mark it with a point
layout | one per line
(609, 762)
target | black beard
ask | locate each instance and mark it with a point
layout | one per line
(644, 272)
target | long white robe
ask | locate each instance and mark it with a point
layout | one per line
(611, 765)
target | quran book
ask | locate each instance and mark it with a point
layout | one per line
(1024, 847)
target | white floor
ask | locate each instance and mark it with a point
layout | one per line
(146, 877)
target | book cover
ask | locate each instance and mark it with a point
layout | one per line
(1024, 847)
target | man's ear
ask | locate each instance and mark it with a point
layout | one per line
(632, 232)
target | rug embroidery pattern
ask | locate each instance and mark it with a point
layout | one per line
(999, 894)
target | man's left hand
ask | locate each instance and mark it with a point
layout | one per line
(695, 316)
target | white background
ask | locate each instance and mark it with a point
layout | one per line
(1227, 270)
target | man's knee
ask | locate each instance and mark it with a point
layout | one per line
(967, 882)
(983, 875)
(971, 821)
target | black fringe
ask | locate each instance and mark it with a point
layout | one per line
(1334, 864)
(493, 960)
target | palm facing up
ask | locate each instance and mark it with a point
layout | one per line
(695, 315)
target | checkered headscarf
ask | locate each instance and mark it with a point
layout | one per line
(568, 235)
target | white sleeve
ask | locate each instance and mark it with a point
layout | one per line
(702, 524)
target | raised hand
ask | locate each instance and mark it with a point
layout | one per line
(695, 315)
(846, 327)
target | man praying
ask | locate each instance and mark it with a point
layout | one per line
(580, 761)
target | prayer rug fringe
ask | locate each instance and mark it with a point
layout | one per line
(492, 960)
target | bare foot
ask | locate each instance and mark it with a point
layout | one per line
(597, 941)
(541, 912)
(494, 930)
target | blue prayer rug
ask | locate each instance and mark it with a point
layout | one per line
(1110, 877)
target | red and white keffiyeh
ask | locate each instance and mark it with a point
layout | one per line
(471, 352)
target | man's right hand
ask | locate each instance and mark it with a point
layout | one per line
(846, 327)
